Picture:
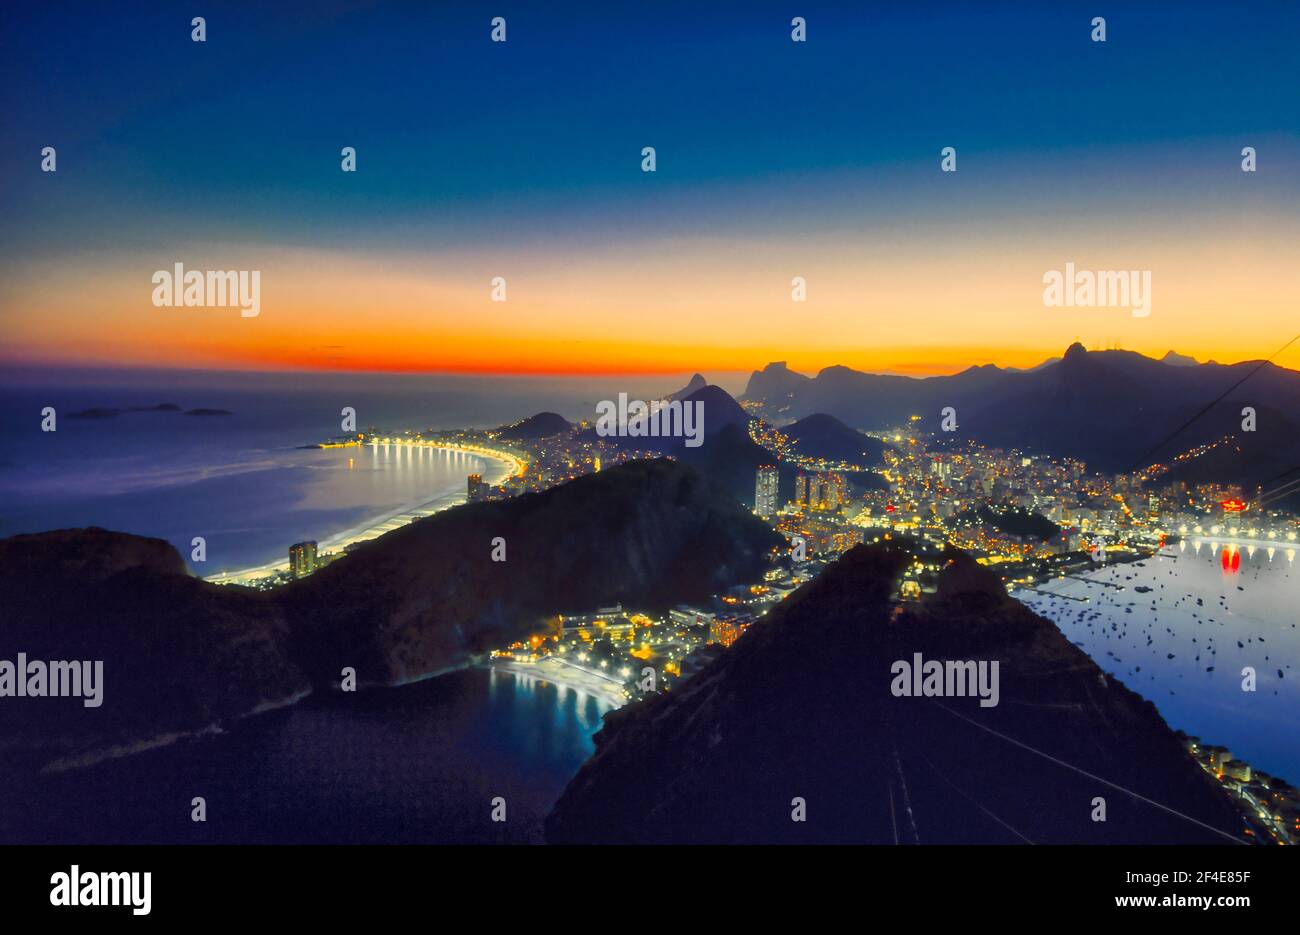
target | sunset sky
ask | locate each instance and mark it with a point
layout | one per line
(523, 160)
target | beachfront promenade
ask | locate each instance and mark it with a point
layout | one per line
(505, 463)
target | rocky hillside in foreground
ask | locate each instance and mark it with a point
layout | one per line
(180, 654)
(801, 707)
(424, 597)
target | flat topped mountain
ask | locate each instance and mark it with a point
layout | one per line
(800, 713)
(773, 383)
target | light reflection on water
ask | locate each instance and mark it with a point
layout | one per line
(1248, 594)
(419, 763)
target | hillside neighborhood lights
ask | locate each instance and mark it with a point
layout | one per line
(657, 419)
(209, 289)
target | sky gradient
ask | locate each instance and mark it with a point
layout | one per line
(775, 159)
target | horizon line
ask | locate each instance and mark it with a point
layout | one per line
(916, 371)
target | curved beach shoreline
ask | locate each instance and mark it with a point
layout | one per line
(502, 467)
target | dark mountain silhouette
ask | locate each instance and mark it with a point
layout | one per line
(874, 401)
(424, 597)
(542, 425)
(1252, 459)
(731, 459)
(181, 654)
(726, 455)
(1024, 524)
(695, 384)
(823, 436)
(1046, 363)
(178, 654)
(1178, 360)
(1115, 410)
(720, 409)
(773, 384)
(801, 709)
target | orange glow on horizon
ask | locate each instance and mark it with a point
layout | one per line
(684, 307)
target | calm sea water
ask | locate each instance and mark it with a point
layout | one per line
(242, 481)
(1211, 611)
(417, 764)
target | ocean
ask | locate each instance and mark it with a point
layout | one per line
(243, 481)
(1208, 611)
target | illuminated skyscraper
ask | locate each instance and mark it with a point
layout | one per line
(765, 490)
(834, 491)
(474, 490)
(302, 559)
(815, 492)
(801, 489)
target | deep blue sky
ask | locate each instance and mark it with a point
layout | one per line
(472, 138)
(774, 159)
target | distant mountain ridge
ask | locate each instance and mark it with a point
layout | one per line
(1115, 410)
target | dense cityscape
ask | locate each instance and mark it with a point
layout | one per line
(586, 425)
(1031, 518)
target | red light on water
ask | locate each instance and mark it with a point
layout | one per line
(1231, 560)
